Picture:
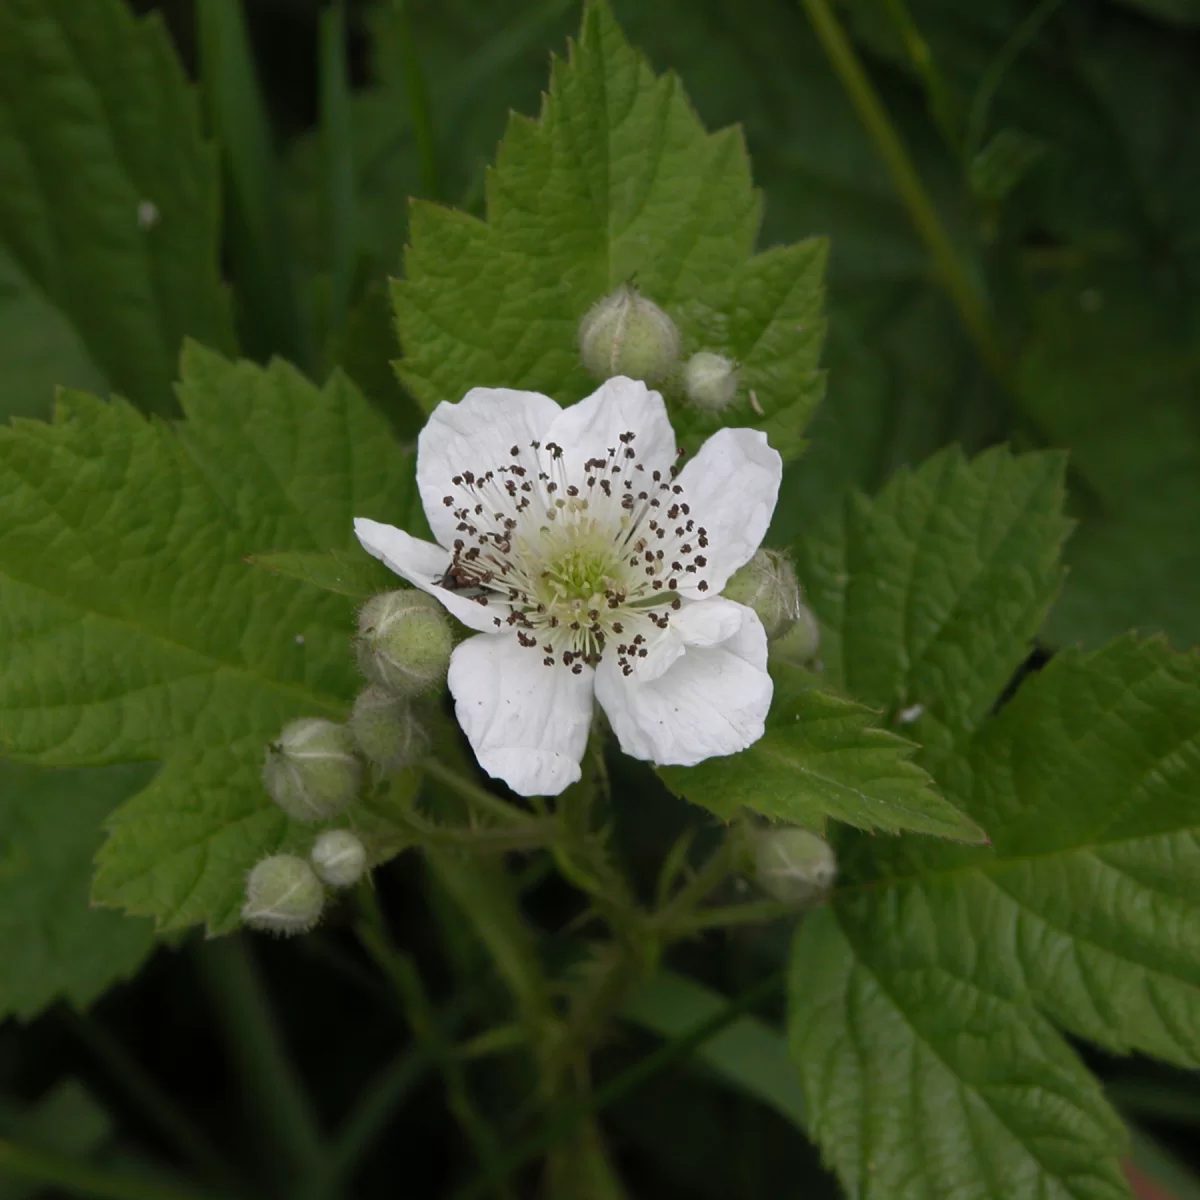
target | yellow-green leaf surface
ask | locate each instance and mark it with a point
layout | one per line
(616, 181)
(931, 983)
(132, 629)
(823, 756)
(929, 595)
(109, 207)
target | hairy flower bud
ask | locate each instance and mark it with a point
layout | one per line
(767, 584)
(404, 642)
(710, 380)
(387, 730)
(312, 771)
(801, 643)
(283, 895)
(794, 866)
(626, 334)
(339, 857)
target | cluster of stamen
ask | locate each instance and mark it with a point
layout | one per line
(584, 561)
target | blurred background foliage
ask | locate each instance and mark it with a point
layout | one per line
(1060, 144)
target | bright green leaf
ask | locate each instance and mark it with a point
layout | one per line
(927, 983)
(930, 595)
(109, 206)
(131, 628)
(616, 180)
(349, 572)
(922, 1081)
(823, 756)
(52, 942)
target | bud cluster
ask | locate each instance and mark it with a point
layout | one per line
(316, 768)
(285, 894)
(625, 333)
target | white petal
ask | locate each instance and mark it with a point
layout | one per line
(594, 426)
(421, 563)
(477, 434)
(527, 723)
(698, 623)
(714, 700)
(731, 485)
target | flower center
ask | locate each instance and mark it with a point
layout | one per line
(584, 558)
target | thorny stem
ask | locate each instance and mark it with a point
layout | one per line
(480, 798)
(402, 972)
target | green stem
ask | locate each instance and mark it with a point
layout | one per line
(79, 1180)
(845, 62)
(419, 107)
(570, 1116)
(685, 901)
(531, 835)
(154, 1104)
(268, 1076)
(402, 972)
(480, 797)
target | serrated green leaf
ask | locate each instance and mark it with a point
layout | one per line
(52, 943)
(109, 206)
(922, 1081)
(1083, 910)
(616, 180)
(823, 756)
(929, 595)
(132, 629)
(348, 572)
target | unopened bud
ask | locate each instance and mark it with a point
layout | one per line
(767, 584)
(312, 771)
(711, 381)
(339, 857)
(283, 895)
(387, 730)
(404, 641)
(801, 643)
(794, 866)
(626, 334)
